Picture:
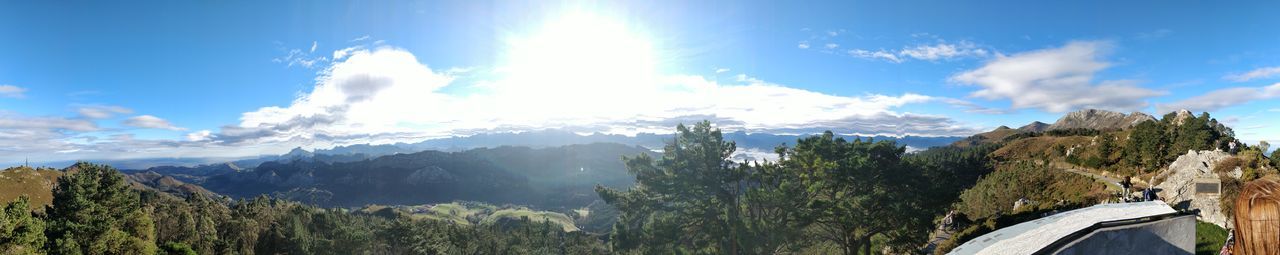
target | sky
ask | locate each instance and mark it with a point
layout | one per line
(147, 79)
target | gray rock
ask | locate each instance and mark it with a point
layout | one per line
(1179, 186)
(1100, 120)
(1181, 116)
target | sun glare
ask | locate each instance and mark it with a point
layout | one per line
(580, 53)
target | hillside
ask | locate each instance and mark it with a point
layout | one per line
(473, 213)
(35, 183)
(165, 184)
(551, 177)
(992, 180)
(993, 136)
(1079, 160)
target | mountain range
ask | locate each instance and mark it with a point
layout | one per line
(552, 177)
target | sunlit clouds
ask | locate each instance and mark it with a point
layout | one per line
(388, 92)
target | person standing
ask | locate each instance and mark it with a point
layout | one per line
(1126, 183)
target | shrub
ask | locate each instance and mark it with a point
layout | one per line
(172, 248)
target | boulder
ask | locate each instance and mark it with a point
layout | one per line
(1180, 183)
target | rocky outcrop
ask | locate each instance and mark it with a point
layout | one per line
(1100, 120)
(1035, 127)
(1181, 116)
(1179, 186)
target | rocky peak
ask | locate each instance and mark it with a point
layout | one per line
(1099, 120)
(1181, 116)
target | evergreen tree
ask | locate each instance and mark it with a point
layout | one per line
(857, 186)
(1275, 158)
(689, 200)
(20, 232)
(1145, 147)
(95, 212)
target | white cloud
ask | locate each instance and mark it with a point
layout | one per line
(387, 92)
(1260, 73)
(803, 45)
(313, 46)
(362, 38)
(25, 136)
(971, 107)
(387, 95)
(943, 51)
(722, 70)
(148, 121)
(1223, 98)
(832, 46)
(11, 91)
(14, 121)
(344, 52)
(879, 54)
(1056, 80)
(298, 57)
(202, 135)
(928, 52)
(101, 111)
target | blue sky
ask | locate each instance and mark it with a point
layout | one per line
(88, 80)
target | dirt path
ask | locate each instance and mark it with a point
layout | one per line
(939, 235)
(1112, 183)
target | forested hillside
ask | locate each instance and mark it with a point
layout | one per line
(95, 212)
(558, 177)
(691, 198)
(824, 194)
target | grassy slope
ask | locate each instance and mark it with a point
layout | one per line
(1209, 238)
(468, 213)
(536, 216)
(36, 184)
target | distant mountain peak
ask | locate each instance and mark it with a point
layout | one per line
(1035, 126)
(1099, 120)
(298, 152)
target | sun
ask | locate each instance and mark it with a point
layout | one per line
(581, 53)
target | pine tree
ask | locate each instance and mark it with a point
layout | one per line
(689, 200)
(95, 212)
(20, 232)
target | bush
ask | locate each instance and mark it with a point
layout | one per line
(1073, 132)
(172, 248)
(1227, 165)
(1093, 162)
(1275, 159)
(996, 192)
